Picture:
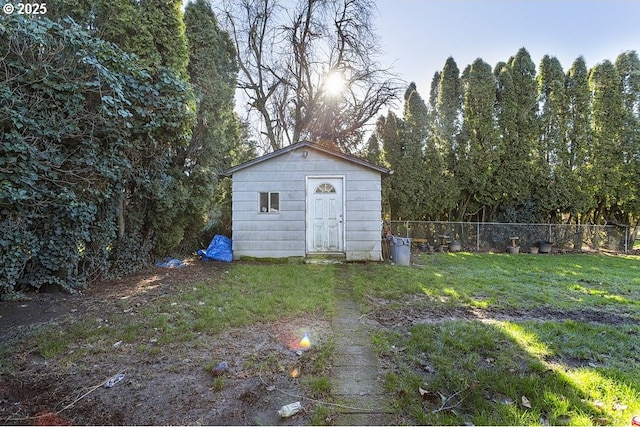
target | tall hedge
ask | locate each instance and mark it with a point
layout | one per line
(87, 141)
(527, 146)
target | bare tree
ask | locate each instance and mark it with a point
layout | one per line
(294, 55)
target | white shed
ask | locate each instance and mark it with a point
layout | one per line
(307, 199)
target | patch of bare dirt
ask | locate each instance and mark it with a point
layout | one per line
(51, 303)
(415, 311)
(173, 386)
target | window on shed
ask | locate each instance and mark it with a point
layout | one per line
(269, 202)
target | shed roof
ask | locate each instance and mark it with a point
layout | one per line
(307, 144)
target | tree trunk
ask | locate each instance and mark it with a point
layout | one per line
(120, 219)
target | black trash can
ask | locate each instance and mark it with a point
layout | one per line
(400, 250)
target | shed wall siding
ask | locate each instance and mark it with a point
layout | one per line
(282, 234)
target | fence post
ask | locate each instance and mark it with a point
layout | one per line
(478, 236)
(407, 229)
(626, 238)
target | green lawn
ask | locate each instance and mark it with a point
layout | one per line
(247, 294)
(531, 359)
(609, 284)
(521, 371)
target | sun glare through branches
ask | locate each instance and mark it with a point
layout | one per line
(334, 84)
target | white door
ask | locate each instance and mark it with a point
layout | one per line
(325, 222)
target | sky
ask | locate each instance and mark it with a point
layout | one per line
(418, 36)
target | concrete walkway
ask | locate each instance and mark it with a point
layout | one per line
(356, 381)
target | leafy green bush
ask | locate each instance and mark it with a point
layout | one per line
(88, 140)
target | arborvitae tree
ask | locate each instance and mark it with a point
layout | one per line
(389, 131)
(449, 104)
(411, 175)
(416, 124)
(432, 107)
(449, 110)
(552, 187)
(434, 94)
(118, 21)
(628, 66)
(441, 191)
(506, 105)
(579, 139)
(579, 113)
(212, 72)
(215, 137)
(552, 107)
(156, 209)
(606, 153)
(373, 153)
(513, 171)
(152, 29)
(164, 21)
(523, 72)
(425, 188)
(477, 145)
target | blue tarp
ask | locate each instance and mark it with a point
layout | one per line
(219, 250)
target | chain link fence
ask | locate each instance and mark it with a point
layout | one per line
(497, 237)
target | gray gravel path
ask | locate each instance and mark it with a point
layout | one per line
(356, 374)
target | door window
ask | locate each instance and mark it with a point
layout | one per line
(325, 188)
